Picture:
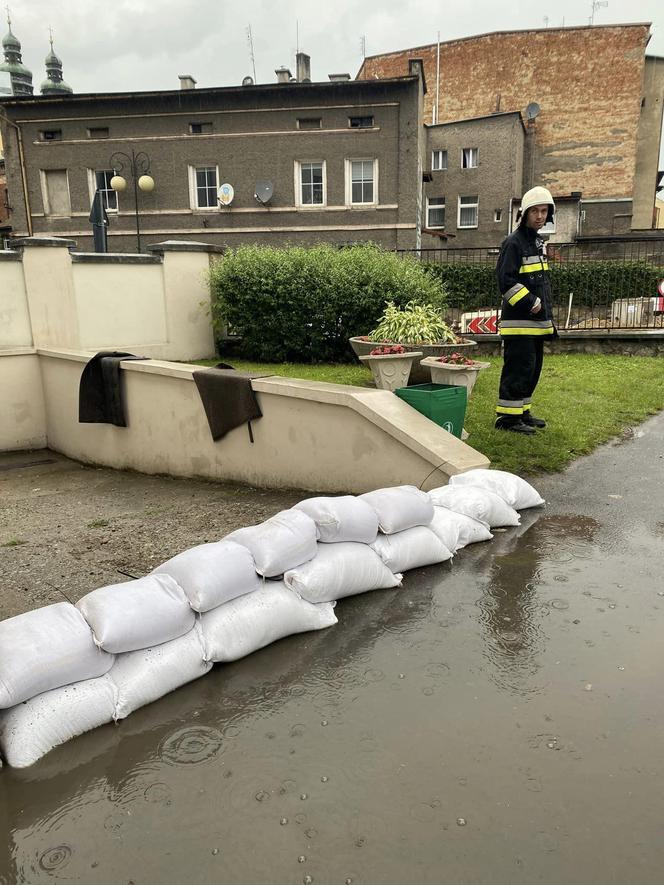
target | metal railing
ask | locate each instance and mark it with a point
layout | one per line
(598, 286)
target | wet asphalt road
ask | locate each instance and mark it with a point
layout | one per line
(497, 721)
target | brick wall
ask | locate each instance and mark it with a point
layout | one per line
(588, 82)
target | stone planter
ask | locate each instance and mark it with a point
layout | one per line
(449, 373)
(418, 375)
(390, 370)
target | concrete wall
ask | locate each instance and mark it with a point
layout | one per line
(22, 414)
(650, 136)
(322, 437)
(15, 329)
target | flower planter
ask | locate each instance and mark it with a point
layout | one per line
(451, 373)
(390, 370)
(418, 375)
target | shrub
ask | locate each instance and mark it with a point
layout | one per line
(302, 304)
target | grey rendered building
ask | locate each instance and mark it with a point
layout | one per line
(344, 157)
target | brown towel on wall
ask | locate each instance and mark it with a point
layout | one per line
(100, 392)
(228, 399)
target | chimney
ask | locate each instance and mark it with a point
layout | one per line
(186, 81)
(338, 78)
(416, 69)
(283, 74)
(303, 67)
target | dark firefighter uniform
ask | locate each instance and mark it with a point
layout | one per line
(523, 280)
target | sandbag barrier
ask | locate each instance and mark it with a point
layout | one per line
(66, 669)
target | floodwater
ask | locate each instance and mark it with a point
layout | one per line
(496, 721)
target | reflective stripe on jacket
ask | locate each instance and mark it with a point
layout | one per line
(523, 280)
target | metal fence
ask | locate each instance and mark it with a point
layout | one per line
(603, 286)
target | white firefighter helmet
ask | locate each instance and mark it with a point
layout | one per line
(537, 196)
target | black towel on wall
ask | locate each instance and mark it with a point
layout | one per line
(100, 393)
(228, 399)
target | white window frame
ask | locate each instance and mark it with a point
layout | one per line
(92, 188)
(349, 180)
(476, 206)
(474, 154)
(434, 166)
(439, 206)
(193, 189)
(298, 184)
(44, 190)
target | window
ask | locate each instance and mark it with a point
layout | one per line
(310, 183)
(361, 182)
(435, 211)
(199, 128)
(98, 132)
(309, 123)
(469, 158)
(468, 210)
(497, 214)
(203, 186)
(50, 135)
(55, 191)
(438, 160)
(101, 181)
(361, 122)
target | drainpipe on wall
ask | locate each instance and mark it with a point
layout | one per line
(24, 179)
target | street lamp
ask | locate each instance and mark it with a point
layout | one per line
(137, 167)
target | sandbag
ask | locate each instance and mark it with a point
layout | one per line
(44, 649)
(400, 508)
(340, 570)
(29, 730)
(244, 625)
(345, 518)
(412, 548)
(514, 490)
(137, 614)
(211, 574)
(477, 503)
(284, 541)
(143, 676)
(456, 530)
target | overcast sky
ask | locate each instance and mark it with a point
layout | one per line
(135, 44)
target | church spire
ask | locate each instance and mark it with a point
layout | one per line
(54, 84)
(21, 77)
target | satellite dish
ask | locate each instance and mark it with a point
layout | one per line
(225, 194)
(248, 81)
(532, 110)
(263, 191)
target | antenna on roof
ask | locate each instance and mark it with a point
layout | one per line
(363, 46)
(532, 110)
(250, 41)
(594, 6)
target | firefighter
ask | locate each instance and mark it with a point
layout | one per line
(526, 313)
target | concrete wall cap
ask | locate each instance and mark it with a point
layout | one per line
(7, 255)
(24, 242)
(114, 258)
(185, 246)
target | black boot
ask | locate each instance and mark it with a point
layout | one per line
(515, 425)
(532, 421)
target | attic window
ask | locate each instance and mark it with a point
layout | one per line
(50, 135)
(309, 123)
(98, 132)
(361, 122)
(199, 128)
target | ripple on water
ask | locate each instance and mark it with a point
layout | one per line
(191, 745)
(158, 793)
(54, 859)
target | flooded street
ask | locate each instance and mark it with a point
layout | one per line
(496, 721)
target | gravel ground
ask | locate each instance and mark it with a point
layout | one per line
(66, 528)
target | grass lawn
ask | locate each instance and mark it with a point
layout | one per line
(586, 400)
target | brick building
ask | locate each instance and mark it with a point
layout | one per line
(344, 157)
(597, 131)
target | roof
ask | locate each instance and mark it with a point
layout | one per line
(474, 119)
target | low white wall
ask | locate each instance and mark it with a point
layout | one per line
(15, 328)
(22, 413)
(322, 437)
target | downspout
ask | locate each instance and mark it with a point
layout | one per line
(24, 177)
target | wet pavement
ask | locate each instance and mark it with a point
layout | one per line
(496, 721)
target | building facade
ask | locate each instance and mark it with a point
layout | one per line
(343, 158)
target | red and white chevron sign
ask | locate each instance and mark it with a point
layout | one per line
(483, 322)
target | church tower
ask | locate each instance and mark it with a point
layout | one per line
(54, 84)
(20, 76)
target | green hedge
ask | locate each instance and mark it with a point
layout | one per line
(472, 286)
(302, 304)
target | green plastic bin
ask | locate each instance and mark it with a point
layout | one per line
(443, 403)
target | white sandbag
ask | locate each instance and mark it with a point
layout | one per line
(44, 649)
(137, 614)
(244, 625)
(29, 730)
(456, 530)
(514, 490)
(212, 574)
(340, 570)
(284, 541)
(345, 518)
(477, 503)
(400, 508)
(143, 676)
(412, 548)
